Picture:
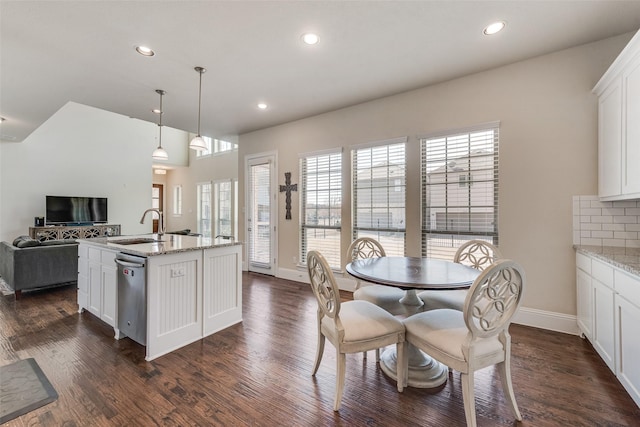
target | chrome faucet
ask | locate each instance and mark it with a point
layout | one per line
(161, 229)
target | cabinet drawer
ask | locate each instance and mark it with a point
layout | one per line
(94, 254)
(602, 272)
(628, 287)
(108, 258)
(583, 262)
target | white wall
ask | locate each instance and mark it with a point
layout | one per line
(548, 153)
(80, 151)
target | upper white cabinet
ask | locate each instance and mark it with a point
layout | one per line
(619, 126)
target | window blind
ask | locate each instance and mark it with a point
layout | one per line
(223, 209)
(204, 208)
(321, 206)
(379, 195)
(459, 189)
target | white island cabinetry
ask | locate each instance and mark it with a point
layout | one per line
(97, 283)
(608, 310)
(193, 286)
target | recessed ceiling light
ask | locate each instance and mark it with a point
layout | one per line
(156, 111)
(494, 28)
(310, 38)
(143, 50)
(262, 106)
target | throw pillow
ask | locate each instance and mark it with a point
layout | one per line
(19, 239)
(28, 243)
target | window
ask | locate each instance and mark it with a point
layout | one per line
(177, 200)
(321, 205)
(223, 216)
(459, 189)
(379, 188)
(204, 209)
(215, 146)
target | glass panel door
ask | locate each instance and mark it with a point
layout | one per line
(261, 217)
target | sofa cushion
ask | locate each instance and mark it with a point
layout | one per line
(57, 242)
(28, 243)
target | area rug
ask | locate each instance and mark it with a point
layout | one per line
(23, 388)
(4, 288)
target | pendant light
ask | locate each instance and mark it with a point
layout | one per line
(160, 153)
(198, 143)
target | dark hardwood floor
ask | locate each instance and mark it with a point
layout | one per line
(258, 373)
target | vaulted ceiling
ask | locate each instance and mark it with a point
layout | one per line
(53, 52)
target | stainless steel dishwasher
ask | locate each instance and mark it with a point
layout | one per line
(132, 296)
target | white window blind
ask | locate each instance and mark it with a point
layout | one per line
(321, 206)
(204, 209)
(177, 200)
(260, 227)
(379, 195)
(459, 189)
(223, 217)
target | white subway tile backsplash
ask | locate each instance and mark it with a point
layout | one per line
(603, 219)
(591, 242)
(606, 223)
(614, 211)
(592, 211)
(611, 227)
(602, 234)
(598, 227)
(626, 235)
(625, 219)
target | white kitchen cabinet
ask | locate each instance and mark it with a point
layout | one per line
(584, 295)
(631, 139)
(603, 323)
(610, 141)
(627, 312)
(609, 318)
(97, 282)
(619, 126)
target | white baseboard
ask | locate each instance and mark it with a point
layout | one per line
(549, 320)
(541, 319)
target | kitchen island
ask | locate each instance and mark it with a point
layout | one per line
(193, 286)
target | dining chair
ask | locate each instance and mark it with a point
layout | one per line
(478, 254)
(383, 296)
(351, 326)
(476, 337)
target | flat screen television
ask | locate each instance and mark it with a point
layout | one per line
(62, 210)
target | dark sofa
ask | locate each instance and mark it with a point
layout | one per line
(37, 264)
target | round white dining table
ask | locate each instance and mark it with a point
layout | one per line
(414, 274)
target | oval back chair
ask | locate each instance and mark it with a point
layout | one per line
(478, 336)
(478, 254)
(352, 326)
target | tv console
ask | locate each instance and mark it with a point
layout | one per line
(59, 232)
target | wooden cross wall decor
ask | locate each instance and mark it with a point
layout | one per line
(288, 188)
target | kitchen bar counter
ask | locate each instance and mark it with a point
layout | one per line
(627, 259)
(152, 245)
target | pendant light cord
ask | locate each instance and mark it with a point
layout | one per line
(161, 113)
(200, 71)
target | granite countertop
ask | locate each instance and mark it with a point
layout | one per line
(151, 244)
(627, 259)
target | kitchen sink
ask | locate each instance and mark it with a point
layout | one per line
(135, 241)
